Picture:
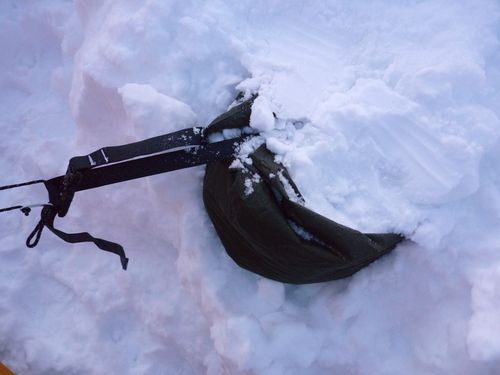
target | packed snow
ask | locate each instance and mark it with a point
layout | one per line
(387, 116)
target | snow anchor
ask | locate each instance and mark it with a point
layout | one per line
(256, 210)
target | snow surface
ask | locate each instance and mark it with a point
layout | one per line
(388, 118)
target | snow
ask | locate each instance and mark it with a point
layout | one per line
(147, 109)
(262, 118)
(387, 118)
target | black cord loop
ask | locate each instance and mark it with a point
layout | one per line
(36, 234)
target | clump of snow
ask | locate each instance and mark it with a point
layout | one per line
(249, 183)
(290, 191)
(387, 119)
(148, 109)
(262, 118)
(301, 231)
(231, 133)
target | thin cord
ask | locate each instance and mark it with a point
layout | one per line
(21, 184)
(10, 208)
(16, 186)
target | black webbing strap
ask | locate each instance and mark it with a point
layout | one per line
(109, 155)
(114, 154)
(47, 220)
(157, 164)
(61, 187)
(148, 166)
